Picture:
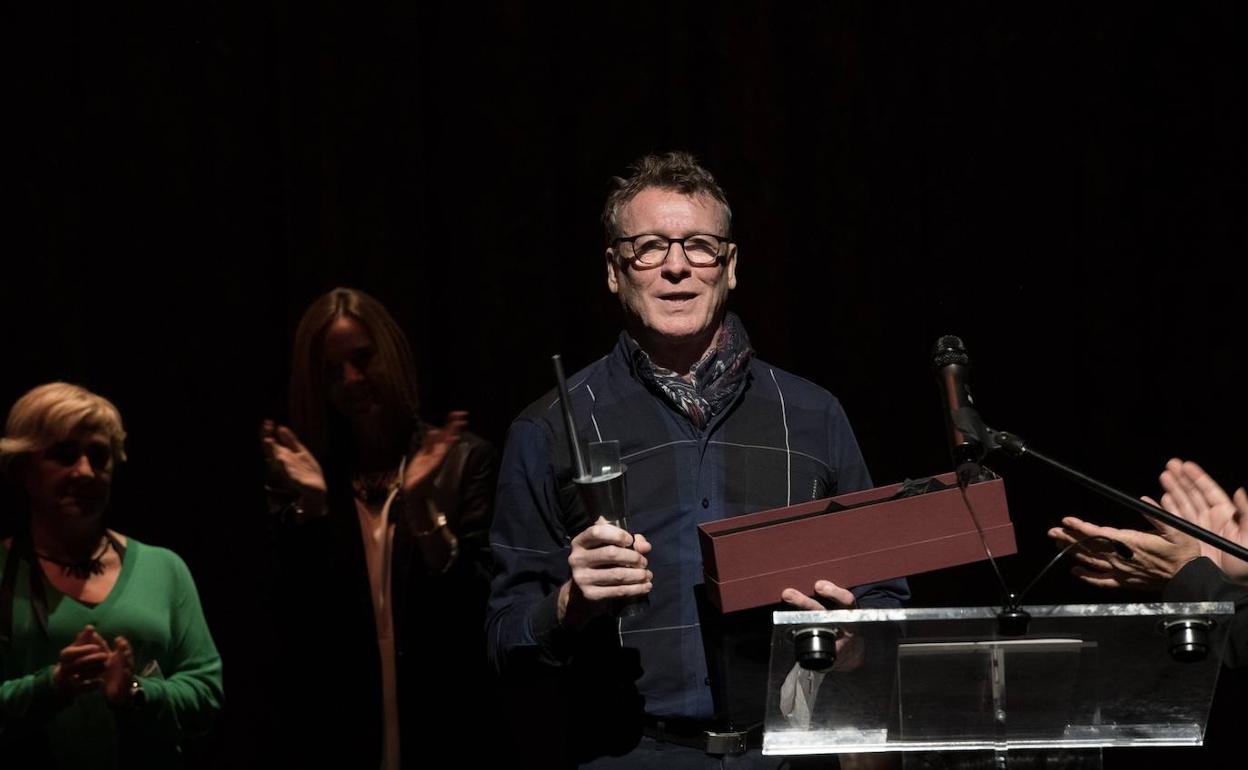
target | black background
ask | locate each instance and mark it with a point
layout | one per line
(1062, 185)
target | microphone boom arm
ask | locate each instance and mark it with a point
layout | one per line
(1015, 446)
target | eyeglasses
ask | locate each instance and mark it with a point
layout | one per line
(650, 250)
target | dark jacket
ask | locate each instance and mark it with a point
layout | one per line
(330, 707)
(782, 440)
(1201, 581)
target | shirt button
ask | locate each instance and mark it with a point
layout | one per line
(706, 503)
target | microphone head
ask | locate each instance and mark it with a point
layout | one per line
(949, 350)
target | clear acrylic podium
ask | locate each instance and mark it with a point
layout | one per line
(1082, 677)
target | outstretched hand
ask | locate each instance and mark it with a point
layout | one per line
(434, 446)
(292, 465)
(1143, 561)
(1192, 493)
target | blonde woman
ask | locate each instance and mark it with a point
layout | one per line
(105, 657)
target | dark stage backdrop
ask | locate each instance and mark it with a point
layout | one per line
(1060, 184)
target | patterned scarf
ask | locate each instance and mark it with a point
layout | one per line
(713, 379)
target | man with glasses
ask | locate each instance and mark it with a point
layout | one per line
(707, 431)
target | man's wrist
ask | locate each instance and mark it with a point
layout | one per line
(573, 610)
(552, 637)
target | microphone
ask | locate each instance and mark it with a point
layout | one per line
(969, 441)
(968, 438)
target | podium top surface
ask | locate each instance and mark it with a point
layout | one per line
(786, 618)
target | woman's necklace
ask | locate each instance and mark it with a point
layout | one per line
(92, 565)
(373, 488)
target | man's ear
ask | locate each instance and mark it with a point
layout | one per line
(613, 279)
(730, 264)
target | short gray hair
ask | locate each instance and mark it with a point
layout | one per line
(678, 171)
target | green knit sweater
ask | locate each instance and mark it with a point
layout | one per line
(155, 606)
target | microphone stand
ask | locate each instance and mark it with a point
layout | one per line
(1017, 447)
(971, 440)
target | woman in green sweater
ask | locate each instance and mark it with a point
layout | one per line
(105, 657)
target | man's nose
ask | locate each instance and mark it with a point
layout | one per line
(677, 265)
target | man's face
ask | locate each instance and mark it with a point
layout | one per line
(675, 302)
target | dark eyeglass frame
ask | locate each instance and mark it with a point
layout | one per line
(724, 240)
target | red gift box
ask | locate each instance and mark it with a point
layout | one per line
(748, 560)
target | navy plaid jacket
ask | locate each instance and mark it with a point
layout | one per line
(783, 440)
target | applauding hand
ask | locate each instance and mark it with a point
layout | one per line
(292, 466)
(1191, 493)
(81, 663)
(434, 446)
